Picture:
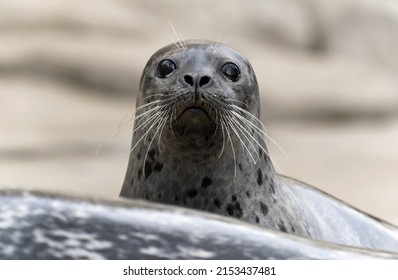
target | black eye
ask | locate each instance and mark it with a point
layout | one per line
(231, 71)
(166, 67)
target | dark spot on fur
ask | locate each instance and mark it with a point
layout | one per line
(259, 177)
(240, 166)
(281, 226)
(139, 173)
(148, 169)
(266, 177)
(234, 210)
(192, 193)
(265, 158)
(248, 194)
(152, 154)
(230, 209)
(264, 209)
(147, 196)
(158, 167)
(159, 195)
(234, 198)
(206, 182)
(185, 203)
(176, 198)
(132, 181)
(292, 228)
(207, 138)
(257, 219)
(217, 202)
(260, 152)
(139, 155)
(271, 186)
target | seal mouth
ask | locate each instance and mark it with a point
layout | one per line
(193, 111)
(194, 123)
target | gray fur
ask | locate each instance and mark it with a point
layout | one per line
(43, 226)
(190, 161)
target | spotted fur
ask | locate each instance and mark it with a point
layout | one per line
(198, 143)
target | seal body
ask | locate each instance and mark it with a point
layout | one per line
(44, 226)
(198, 143)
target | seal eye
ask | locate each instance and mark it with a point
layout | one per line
(231, 71)
(166, 67)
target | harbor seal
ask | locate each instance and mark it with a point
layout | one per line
(198, 142)
(36, 225)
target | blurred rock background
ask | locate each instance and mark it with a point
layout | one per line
(328, 75)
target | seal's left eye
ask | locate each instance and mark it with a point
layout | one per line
(231, 71)
(165, 68)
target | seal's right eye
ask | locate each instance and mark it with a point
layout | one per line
(166, 68)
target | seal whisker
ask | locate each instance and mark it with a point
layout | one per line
(153, 109)
(174, 42)
(122, 121)
(157, 108)
(147, 121)
(144, 106)
(154, 119)
(223, 137)
(159, 125)
(164, 100)
(231, 143)
(245, 134)
(263, 130)
(158, 119)
(174, 112)
(147, 113)
(219, 38)
(249, 114)
(216, 130)
(249, 125)
(154, 95)
(164, 123)
(261, 135)
(231, 100)
(179, 41)
(183, 42)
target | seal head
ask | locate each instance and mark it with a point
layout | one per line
(197, 140)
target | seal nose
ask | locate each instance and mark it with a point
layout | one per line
(197, 81)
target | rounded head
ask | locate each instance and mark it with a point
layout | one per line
(196, 87)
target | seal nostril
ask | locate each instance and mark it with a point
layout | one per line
(204, 80)
(189, 80)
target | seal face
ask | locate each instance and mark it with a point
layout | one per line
(198, 142)
(188, 96)
(197, 126)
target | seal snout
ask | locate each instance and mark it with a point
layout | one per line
(197, 80)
